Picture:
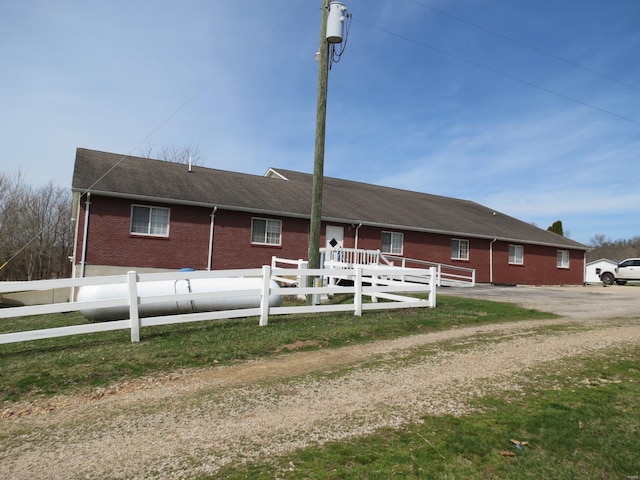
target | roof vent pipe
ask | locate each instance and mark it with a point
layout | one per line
(190, 163)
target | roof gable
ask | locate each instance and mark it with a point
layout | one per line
(602, 260)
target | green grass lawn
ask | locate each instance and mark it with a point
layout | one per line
(579, 423)
(581, 420)
(62, 365)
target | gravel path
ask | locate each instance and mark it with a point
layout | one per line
(194, 422)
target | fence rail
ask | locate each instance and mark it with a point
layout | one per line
(373, 282)
(291, 280)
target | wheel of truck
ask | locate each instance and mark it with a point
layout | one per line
(621, 282)
(607, 278)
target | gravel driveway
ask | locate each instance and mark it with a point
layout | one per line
(194, 422)
(578, 302)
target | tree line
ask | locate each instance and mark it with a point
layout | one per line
(36, 230)
(616, 250)
(36, 225)
(603, 247)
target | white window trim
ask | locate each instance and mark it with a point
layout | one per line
(148, 233)
(267, 221)
(458, 257)
(391, 243)
(560, 258)
(514, 260)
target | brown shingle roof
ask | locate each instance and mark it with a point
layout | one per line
(343, 200)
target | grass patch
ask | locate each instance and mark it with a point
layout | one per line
(65, 365)
(586, 425)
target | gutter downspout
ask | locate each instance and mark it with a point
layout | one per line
(491, 260)
(356, 239)
(213, 221)
(85, 232)
(75, 215)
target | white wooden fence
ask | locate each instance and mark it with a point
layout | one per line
(376, 283)
(289, 279)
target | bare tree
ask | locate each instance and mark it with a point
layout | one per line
(36, 230)
(11, 192)
(174, 154)
(599, 240)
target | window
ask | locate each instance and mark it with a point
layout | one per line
(563, 259)
(392, 242)
(632, 262)
(150, 221)
(265, 231)
(516, 254)
(459, 249)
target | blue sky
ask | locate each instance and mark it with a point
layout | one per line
(530, 107)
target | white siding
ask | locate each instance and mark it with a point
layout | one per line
(594, 267)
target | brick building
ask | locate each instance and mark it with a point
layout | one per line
(150, 215)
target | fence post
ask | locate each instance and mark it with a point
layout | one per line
(432, 287)
(374, 283)
(357, 299)
(134, 315)
(264, 301)
(302, 279)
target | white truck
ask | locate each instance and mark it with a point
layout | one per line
(626, 271)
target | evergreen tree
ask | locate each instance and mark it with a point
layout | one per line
(557, 228)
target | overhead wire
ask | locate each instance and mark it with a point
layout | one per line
(336, 54)
(526, 45)
(270, 27)
(499, 72)
(195, 94)
(165, 121)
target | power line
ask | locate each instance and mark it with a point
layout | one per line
(186, 102)
(499, 72)
(526, 45)
(195, 94)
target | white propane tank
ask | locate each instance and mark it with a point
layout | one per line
(335, 22)
(164, 289)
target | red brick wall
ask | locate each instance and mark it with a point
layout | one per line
(539, 266)
(232, 247)
(110, 243)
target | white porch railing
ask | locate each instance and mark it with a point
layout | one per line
(375, 282)
(350, 256)
(448, 275)
(345, 258)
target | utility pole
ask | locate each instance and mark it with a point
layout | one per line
(318, 161)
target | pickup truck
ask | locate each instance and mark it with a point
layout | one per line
(626, 271)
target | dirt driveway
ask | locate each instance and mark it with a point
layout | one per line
(193, 422)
